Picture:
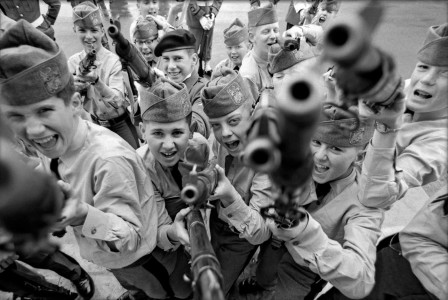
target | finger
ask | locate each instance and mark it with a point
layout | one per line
(183, 213)
(220, 170)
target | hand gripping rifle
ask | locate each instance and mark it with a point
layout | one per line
(128, 52)
(278, 143)
(207, 278)
(362, 70)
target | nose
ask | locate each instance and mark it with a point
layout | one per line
(168, 143)
(89, 34)
(273, 35)
(171, 65)
(34, 128)
(321, 153)
(226, 132)
(430, 77)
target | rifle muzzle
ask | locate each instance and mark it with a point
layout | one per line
(190, 194)
(262, 155)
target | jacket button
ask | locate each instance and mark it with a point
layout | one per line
(295, 243)
(229, 215)
(93, 231)
(21, 15)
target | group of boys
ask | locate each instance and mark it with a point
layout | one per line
(123, 192)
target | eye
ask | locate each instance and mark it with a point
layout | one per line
(215, 126)
(45, 110)
(234, 122)
(336, 149)
(15, 117)
(422, 67)
(157, 134)
(178, 133)
(315, 143)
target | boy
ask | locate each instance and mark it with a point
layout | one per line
(145, 37)
(201, 17)
(103, 86)
(178, 62)
(236, 38)
(149, 9)
(166, 114)
(236, 226)
(410, 152)
(336, 239)
(263, 33)
(110, 201)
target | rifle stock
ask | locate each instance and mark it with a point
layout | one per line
(134, 58)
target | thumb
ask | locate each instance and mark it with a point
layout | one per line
(65, 188)
(183, 213)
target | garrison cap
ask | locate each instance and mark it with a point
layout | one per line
(86, 14)
(236, 33)
(262, 16)
(145, 29)
(32, 66)
(165, 102)
(339, 128)
(283, 55)
(175, 40)
(225, 92)
(435, 48)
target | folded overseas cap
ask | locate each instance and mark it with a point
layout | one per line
(236, 33)
(262, 16)
(283, 55)
(339, 128)
(435, 48)
(165, 102)
(175, 40)
(86, 14)
(32, 66)
(226, 92)
(145, 29)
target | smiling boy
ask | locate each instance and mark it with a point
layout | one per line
(103, 86)
(110, 201)
(236, 226)
(236, 38)
(263, 33)
(145, 37)
(179, 62)
(336, 240)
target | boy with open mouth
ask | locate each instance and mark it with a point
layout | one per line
(236, 225)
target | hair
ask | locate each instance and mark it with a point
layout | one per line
(187, 118)
(69, 90)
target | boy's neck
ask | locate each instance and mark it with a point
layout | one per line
(262, 54)
(431, 116)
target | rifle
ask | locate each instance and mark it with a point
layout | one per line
(278, 143)
(206, 270)
(362, 70)
(88, 63)
(128, 52)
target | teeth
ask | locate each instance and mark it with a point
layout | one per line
(170, 154)
(320, 167)
(44, 140)
(422, 94)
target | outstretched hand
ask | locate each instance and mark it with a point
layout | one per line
(224, 191)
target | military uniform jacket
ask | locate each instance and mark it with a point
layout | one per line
(338, 242)
(198, 8)
(419, 158)
(424, 242)
(256, 70)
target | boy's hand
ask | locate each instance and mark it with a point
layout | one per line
(391, 116)
(224, 191)
(161, 23)
(7, 258)
(178, 231)
(294, 32)
(90, 78)
(205, 23)
(74, 212)
(289, 233)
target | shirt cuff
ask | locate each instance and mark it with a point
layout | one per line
(309, 241)
(163, 241)
(237, 214)
(379, 163)
(96, 225)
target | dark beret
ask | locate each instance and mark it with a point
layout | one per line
(175, 40)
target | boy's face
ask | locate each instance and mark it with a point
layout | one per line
(236, 53)
(90, 37)
(178, 64)
(330, 162)
(264, 36)
(48, 126)
(230, 130)
(166, 141)
(146, 47)
(428, 88)
(148, 7)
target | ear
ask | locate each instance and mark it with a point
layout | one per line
(76, 102)
(251, 36)
(142, 128)
(195, 59)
